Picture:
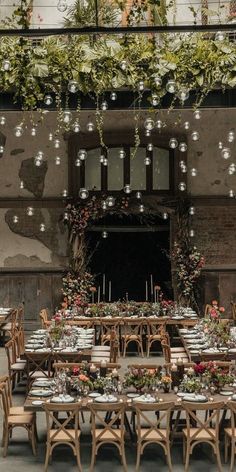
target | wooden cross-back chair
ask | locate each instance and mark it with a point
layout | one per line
(13, 410)
(63, 431)
(11, 421)
(43, 315)
(155, 330)
(110, 331)
(15, 369)
(203, 430)
(230, 436)
(233, 310)
(133, 332)
(111, 428)
(9, 328)
(156, 430)
(37, 365)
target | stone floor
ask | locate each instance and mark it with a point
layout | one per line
(21, 459)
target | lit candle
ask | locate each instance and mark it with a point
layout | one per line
(93, 368)
(103, 363)
(179, 361)
(92, 297)
(114, 373)
(174, 368)
(99, 294)
(146, 291)
(104, 285)
(109, 298)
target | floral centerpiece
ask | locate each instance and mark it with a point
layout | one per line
(56, 329)
(191, 384)
(217, 333)
(215, 311)
(140, 378)
(166, 382)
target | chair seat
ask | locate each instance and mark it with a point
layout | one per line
(153, 435)
(20, 361)
(6, 327)
(229, 432)
(203, 434)
(17, 410)
(131, 336)
(177, 349)
(153, 336)
(18, 366)
(62, 436)
(107, 435)
(21, 419)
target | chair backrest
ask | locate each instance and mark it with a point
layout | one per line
(5, 379)
(108, 423)
(19, 339)
(162, 420)
(44, 317)
(10, 348)
(155, 327)
(201, 424)
(108, 325)
(38, 362)
(52, 411)
(133, 327)
(166, 351)
(82, 323)
(4, 400)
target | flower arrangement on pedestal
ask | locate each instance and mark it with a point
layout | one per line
(77, 289)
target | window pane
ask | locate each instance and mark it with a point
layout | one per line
(115, 170)
(138, 170)
(160, 169)
(93, 170)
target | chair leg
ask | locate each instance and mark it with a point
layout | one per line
(226, 448)
(33, 440)
(148, 349)
(77, 448)
(124, 350)
(123, 458)
(47, 457)
(168, 457)
(232, 456)
(5, 443)
(138, 456)
(217, 452)
(187, 455)
(141, 348)
(92, 458)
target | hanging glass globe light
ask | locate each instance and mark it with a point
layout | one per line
(64, 193)
(127, 188)
(113, 96)
(62, 6)
(141, 208)
(18, 131)
(165, 215)
(2, 120)
(147, 132)
(83, 193)
(104, 205)
(154, 99)
(30, 211)
(195, 136)
(48, 100)
(147, 161)
(66, 215)
(183, 94)
(186, 125)
(121, 153)
(159, 124)
(220, 36)
(73, 86)
(104, 234)
(57, 160)
(182, 163)
(231, 193)
(67, 116)
(104, 105)
(90, 126)
(231, 136)
(105, 161)
(225, 153)
(101, 159)
(22, 184)
(220, 145)
(40, 155)
(33, 132)
(50, 137)
(191, 233)
(57, 143)
(77, 162)
(171, 86)
(110, 201)
(6, 65)
(82, 154)
(183, 147)
(123, 64)
(193, 172)
(141, 85)
(191, 210)
(197, 114)
(138, 195)
(15, 219)
(173, 143)
(232, 169)
(150, 147)
(157, 80)
(149, 124)
(1, 149)
(182, 186)
(42, 227)
(38, 162)
(76, 127)
(184, 169)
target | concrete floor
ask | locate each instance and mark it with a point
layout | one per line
(21, 459)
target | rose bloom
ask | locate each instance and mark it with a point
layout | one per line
(222, 309)
(214, 303)
(75, 370)
(83, 378)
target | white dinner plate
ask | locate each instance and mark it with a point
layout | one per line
(106, 399)
(40, 393)
(64, 399)
(94, 394)
(196, 398)
(42, 383)
(145, 399)
(133, 395)
(226, 392)
(37, 402)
